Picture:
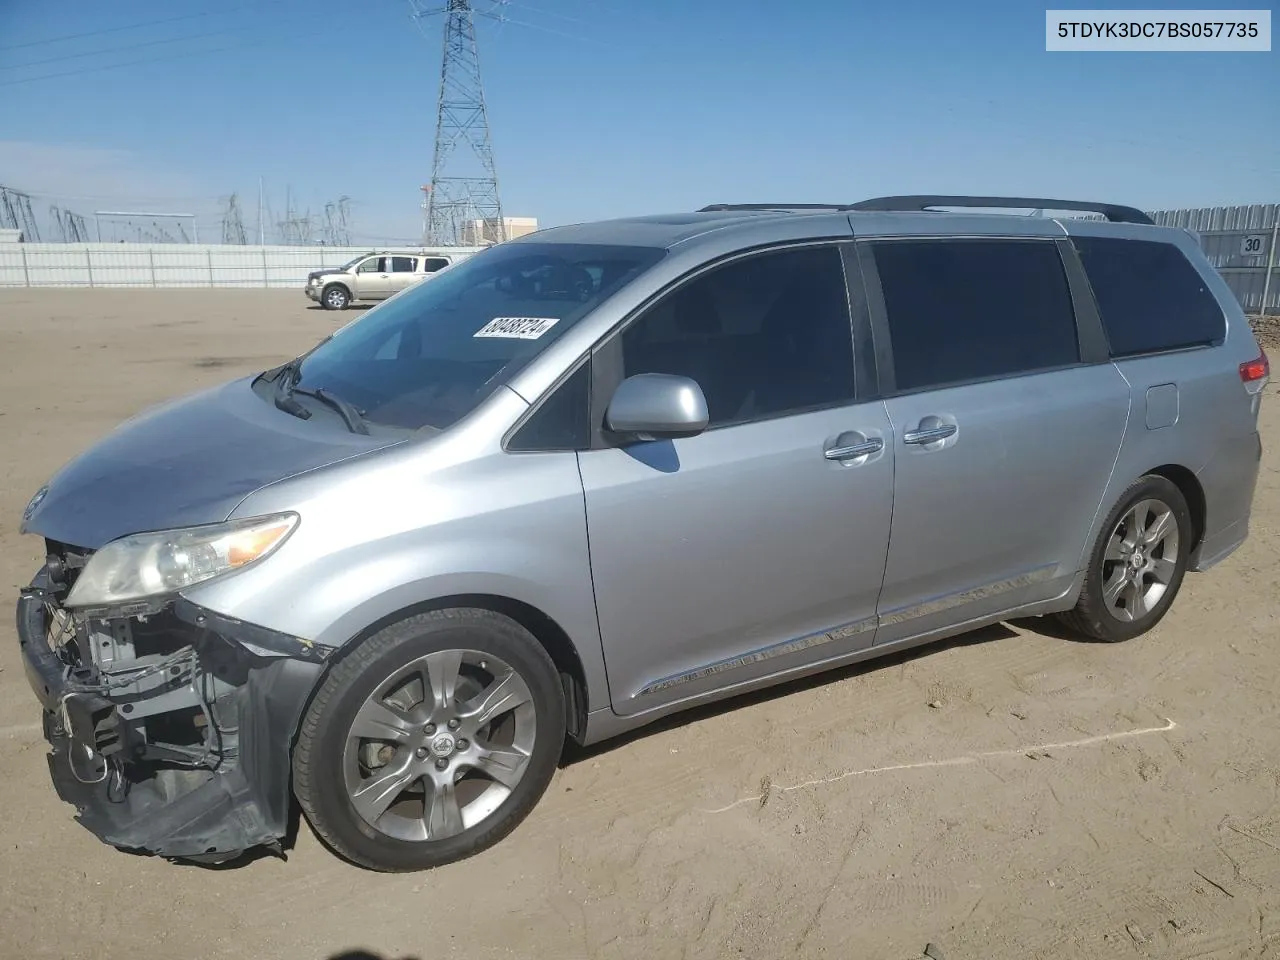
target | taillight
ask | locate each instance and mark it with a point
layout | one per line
(1255, 373)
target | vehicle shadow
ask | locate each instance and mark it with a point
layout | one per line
(573, 753)
(1052, 627)
(364, 955)
(361, 307)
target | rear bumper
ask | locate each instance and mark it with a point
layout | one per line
(211, 813)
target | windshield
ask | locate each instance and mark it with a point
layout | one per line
(429, 355)
(351, 263)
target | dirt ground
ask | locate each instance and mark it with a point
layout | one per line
(1008, 795)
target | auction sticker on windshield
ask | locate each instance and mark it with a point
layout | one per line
(517, 328)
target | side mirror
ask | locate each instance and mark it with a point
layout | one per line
(657, 406)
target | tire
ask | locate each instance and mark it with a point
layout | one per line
(335, 297)
(1119, 600)
(383, 801)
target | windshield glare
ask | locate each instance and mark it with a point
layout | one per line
(428, 356)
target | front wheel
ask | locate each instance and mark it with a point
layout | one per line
(431, 740)
(1137, 564)
(335, 297)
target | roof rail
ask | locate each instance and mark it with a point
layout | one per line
(1116, 213)
(719, 207)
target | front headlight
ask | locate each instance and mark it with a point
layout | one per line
(152, 564)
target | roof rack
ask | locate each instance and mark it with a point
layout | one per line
(1116, 213)
(720, 207)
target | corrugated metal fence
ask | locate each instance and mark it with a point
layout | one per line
(168, 264)
(1241, 243)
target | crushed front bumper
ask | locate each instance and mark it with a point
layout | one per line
(124, 790)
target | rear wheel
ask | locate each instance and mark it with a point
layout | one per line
(335, 297)
(431, 740)
(1137, 564)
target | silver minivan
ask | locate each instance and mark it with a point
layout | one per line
(590, 477)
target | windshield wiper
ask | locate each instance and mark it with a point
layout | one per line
(284, 381)
(350, 414)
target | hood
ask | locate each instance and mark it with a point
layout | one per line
(327, 271)
(185, 462)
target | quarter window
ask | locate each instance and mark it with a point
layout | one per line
(763, 336)
(961, 310)
(562, 422)
(1149, 295)
(432, 264)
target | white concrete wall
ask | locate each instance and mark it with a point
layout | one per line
(170, 264)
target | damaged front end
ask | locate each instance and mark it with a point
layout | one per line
(171, 725)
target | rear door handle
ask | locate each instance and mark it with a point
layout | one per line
(852, 451)
(929, 434)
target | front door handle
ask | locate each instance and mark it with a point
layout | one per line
(929, 434)
(852, 451)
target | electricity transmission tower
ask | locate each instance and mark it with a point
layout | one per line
(16, 214)
(233, 223)
(464, 183)
(70, 225)
(296, 229)
(336, 229)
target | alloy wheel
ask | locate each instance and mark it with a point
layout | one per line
(439, 745)
(1140, 561)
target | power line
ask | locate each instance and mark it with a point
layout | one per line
(545, 13)
(119, 198)
(560, 33)
(139, 25)
(132, 46)
(167, 57)
(629, 12)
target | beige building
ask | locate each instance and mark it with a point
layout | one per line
(477, 232)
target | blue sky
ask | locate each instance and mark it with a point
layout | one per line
(612, 107)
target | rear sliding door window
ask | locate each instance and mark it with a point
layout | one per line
(1149, 295)
(961, 310)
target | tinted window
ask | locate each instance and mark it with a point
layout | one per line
(403, 264)
(432, 264)
(562, 422)
(429, 355)
(762, 336)
(973, 309)
(1150, 297)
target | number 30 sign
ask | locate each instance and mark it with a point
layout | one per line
(1253, 246)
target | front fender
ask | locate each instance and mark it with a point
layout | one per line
(323, 589)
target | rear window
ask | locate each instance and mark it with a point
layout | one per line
(1149, 295)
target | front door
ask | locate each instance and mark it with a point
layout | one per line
(1004, 438)
(757, 547)
(373, 279)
